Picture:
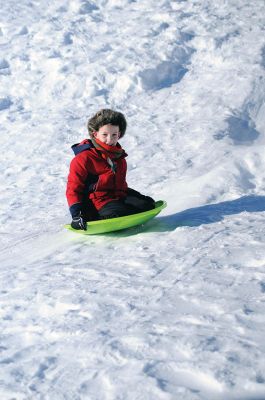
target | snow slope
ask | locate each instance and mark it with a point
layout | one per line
(174, 310)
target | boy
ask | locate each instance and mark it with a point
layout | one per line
(96, 186)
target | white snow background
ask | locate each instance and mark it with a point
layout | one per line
(171, 310)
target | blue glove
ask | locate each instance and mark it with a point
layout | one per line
(78, 222)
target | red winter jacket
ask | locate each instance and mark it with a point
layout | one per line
(89, 169)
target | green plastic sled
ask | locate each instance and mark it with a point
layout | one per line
(116, 224)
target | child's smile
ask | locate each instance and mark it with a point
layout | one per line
(108, 134)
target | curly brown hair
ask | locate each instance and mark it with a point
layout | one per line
(105, 117)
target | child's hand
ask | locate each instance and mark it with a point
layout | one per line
(78, 222)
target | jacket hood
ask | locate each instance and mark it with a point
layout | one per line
(87, 144)
(82, 146)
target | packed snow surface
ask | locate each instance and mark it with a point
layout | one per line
(175, 309)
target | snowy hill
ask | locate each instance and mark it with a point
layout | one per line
(174, 310)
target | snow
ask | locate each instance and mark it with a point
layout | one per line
(171, 310)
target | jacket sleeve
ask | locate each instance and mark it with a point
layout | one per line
(76, 180)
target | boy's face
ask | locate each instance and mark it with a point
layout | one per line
(108, 134)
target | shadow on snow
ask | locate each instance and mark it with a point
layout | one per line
(207, 214)
(197, 216)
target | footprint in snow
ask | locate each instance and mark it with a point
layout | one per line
(163, 75)
(5, 103)
(87, 8)
(4, 67)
